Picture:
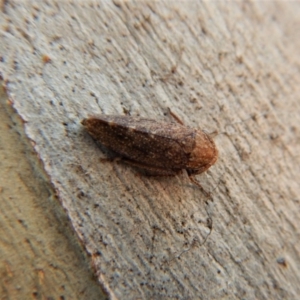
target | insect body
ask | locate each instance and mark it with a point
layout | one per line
(161, 148)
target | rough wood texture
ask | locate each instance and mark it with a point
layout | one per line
(40, 257)
(233, 68)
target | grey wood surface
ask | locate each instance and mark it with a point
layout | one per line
(229, 67)
(40, 256)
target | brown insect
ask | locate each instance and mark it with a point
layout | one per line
(160, 148)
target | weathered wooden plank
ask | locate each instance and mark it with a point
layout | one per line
(233, 68)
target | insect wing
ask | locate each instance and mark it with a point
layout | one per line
(148, 142)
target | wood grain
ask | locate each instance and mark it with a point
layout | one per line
(226, 67)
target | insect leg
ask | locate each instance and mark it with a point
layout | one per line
(177, 119)
(192, 178)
